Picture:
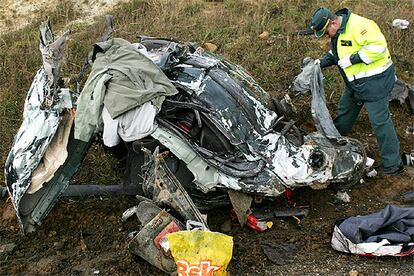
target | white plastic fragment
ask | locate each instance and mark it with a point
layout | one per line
(129, 213)
(195, 225)
(372, 173)
(400, 23)
(369, 163)
(165, 245)
(343, 196)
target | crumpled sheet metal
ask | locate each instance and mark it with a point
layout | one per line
(251, 132)
(403, 92)
(163, 187)
(40, 121)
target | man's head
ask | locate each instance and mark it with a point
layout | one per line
(324, 22)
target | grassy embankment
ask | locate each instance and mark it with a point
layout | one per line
(233, 25)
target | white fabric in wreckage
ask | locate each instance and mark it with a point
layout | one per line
(133, 125)
(55, 154)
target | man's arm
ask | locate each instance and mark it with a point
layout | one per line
(327, 60)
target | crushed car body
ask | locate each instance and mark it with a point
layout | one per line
(212, 119)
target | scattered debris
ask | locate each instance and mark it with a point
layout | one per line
(210, 47)
(293, 214)
(279, 254)
(369, 163)
(385, 233)
(252, 222)
(8, 247)
(400, 23)
(403, 93)
(3, 192)
(241, 204)
(298, 211)
(264, 35)
(353, 273)
(372, 173)
(408, 158)
(409, 130)
(408, 197)
(147, 242)
(343, 196)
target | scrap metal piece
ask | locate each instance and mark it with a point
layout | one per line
(146, 243)
(408, 197)
(109, 23)
(43, 107)
(302, 211)
(163, 187)
(399, 92)
(3, 192)
(241, 203)
(52, 57)
(279, 254)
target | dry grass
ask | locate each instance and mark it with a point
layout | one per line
(233, 25)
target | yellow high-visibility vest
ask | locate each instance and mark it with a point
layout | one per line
(364, 37)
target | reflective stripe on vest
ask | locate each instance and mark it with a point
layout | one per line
(372, 48)
(371, 72)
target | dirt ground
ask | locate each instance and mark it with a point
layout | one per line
(16, 14)
(86, 237)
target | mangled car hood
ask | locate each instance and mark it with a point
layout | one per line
(233, 98)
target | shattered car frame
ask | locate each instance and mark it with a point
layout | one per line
(218, 131)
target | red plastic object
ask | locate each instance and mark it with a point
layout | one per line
(252, 222)
(288, 193)
(185, 126)
(170, 228)
(255, 224)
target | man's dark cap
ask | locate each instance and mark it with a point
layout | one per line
(320, 20)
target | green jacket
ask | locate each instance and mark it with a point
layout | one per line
(121, 78)
(371, 75)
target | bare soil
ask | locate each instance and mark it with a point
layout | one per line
(85, 237)
(16, 14)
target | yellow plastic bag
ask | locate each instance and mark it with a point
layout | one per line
(201, 253)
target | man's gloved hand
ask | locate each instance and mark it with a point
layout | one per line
(317, 61)
(345, 62)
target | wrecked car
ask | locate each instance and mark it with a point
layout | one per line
(213, 120)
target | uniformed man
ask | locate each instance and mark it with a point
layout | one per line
(360, 50)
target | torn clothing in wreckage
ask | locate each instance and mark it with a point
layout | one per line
(121, 79)
(133, 125)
